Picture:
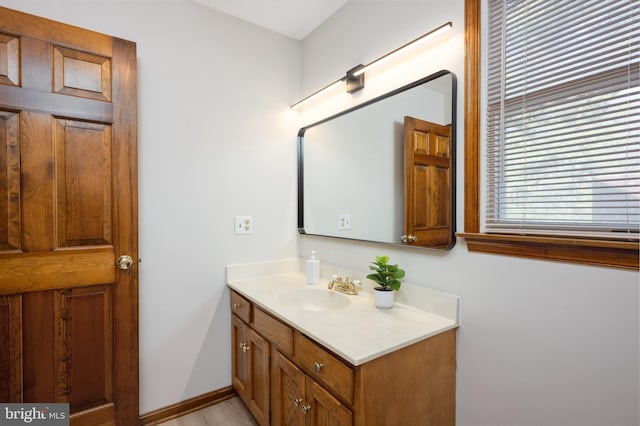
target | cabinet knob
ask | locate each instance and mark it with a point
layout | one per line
(297, 401)
(306, 409)
(317, 366)
(236, 306)
(244, 347)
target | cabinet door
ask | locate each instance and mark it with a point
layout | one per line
(250, 369)
(322, 409)
(287, 392)
(257, 354)
(240, 367)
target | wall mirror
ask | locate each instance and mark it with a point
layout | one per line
(384, 171)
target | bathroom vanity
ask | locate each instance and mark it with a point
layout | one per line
(306, 355)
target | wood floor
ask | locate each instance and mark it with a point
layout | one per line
(230, 412)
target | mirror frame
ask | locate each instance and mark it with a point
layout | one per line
(389, 94)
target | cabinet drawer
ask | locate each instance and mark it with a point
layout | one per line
(324, 367)
(278, 333)
(241, 307)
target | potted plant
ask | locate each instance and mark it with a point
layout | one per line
(388, 279)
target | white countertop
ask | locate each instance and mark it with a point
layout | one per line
(358, 332)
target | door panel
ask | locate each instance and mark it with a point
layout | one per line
(83, 183)
(81, 74)
(85, 315)
(9, 59)
(68, 209)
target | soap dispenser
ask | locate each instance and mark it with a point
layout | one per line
(313, 269)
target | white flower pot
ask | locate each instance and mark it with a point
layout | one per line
(383, 299)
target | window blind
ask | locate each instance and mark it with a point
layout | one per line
(563, 118)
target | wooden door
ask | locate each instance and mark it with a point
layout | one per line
(68, 210)
(287, 392)
(323, 409)
(427, 184)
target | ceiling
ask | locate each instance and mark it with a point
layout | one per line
(293, 18)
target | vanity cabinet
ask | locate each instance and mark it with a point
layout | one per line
(286, 378)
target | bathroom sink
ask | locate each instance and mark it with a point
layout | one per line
(311, 299)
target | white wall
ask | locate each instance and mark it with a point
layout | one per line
(217, 139)
(541, 343)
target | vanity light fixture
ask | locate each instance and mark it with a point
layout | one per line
(355, 77)
(402, 49)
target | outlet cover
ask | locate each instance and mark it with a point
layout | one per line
(344, 221)
(244, 225)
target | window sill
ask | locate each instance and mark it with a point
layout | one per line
(592, 252)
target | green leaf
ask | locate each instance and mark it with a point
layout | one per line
(386, 275)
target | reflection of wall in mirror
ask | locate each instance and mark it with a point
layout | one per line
(353, 165)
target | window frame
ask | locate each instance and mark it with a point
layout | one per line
(598, 252)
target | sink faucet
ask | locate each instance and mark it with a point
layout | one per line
(347, 286)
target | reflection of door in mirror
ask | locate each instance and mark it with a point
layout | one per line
(427, 195)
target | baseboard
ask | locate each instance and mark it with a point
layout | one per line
(185, 407)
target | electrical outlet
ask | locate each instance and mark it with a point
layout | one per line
(344, 221)
(244, 225)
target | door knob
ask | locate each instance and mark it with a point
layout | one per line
(124, 262)
(409, 238)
